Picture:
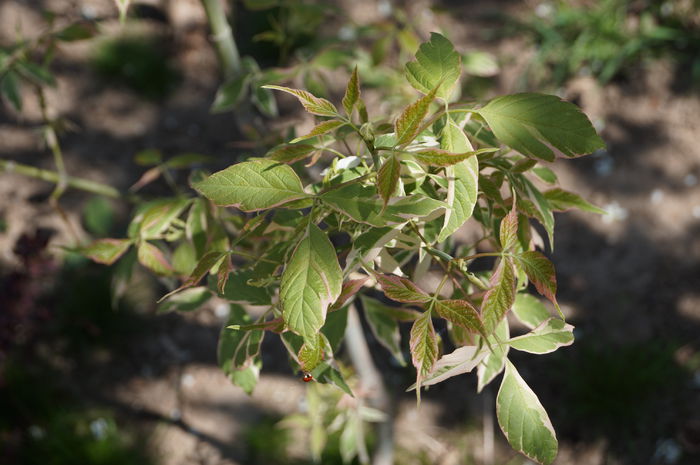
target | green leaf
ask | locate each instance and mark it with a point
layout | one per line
(362, 205)
(9, 89)
(311, 353)
(424, 346)
(184, 259)
(290, 153)
(264, 100)
(495, 360)
(523, 419)
(500, 297)
(321, 128)
(529, 310)
(230, 93)
(401, 289)
(546, 338)
(388, 178)
(462, 181)
(545, 174)
(352, 93)
(186, 160)
(152, 258)
(540, 271)
(334, 328)
(408, 123)
(508, 232)
(202, 268)
(461, 360)
(384, 327)
(326, 374)
(186, 301)
(561, 200)
(106, 251)
(252, 185)
(75, 32)
(311, 282)
(312, 104)
(160, 215)
(437, 62)
(238, 352)
(539, 125)
(441, 158)
(462, 313)
(544, 209)
(237, 289)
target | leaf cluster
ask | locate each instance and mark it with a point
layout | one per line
(379, 219)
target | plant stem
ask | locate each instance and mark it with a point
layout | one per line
(372, 383)
(222, 35)
(8, 166)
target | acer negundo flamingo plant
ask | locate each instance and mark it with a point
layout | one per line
(396, 190)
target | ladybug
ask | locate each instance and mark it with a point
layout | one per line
(307, 377)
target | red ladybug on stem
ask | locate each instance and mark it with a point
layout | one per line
(307, 377)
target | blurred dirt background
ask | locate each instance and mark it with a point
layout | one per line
(627, 392)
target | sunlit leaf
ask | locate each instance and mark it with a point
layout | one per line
(153, 258)
(523, 419)
(312, 104)
(441, 158)
(424, 346)
(290, 153)
(561, 200)
(540, 271)
(311, 353)
(252, 185)
(462, 313)
(311, 282)
(499, 299)
(541, 126)
(409, 121)
(495, 360)
(388, 178)
(160, 215)
(546, 338)
(321, 128)
(461, 360)
(529, 310)
(508, 232)
(437, 62)
(462, 181)
(352, 93)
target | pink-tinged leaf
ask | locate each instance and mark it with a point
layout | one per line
(349, 289)
(441, 158)
(152, 258)
(462, 360)
(388, 178)
(223, 273)
(312, 104)
(401, 289)
(106, 251)
(321, 128)
(409, 122)
(424, 346)
(499, 299)
(146, 178)
(352, 93)
(508, 233)
(540, 271)
(462, 313)
(290, 153)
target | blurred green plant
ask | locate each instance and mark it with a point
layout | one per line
(139, 63)
(608, 38)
